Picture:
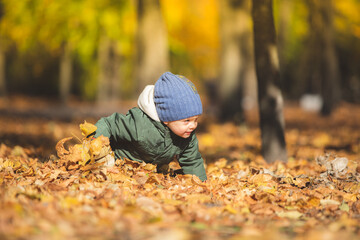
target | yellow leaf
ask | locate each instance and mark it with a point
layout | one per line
(87, 128)
(100, 147)
(268, 189)
(76, 153)
(150, 167)
(96, 146)
(321, 139)
(301, 182)
(69, 202)
(207, 140)
(260, 179)
(18, 208)
(153, 179)
(85, 157)
(245, 210)
(221, 163)
(352, 187)
(149, 186)
(230, 209)
(344, 207)
(314, 202)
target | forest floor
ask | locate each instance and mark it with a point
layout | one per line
(315, 195)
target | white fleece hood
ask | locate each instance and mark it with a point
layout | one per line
(146, 102)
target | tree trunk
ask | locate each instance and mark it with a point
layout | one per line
(65, 74)
(152, 48)
(108, 79)
(237, 80)
(319, 71)
(269, 94)
(330, 68)
(284, 24)
(2, 60)
(2, 72)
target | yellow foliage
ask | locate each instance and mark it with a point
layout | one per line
(87, 128)
(207, 140)
(87, 152)
(230, 209)
(193, 28)
(321, 140)
(96, 146)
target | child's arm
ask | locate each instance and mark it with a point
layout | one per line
(117, 127)
(191, 161)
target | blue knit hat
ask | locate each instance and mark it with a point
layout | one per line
(176, 98)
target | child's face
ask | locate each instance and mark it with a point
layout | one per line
(184, 127)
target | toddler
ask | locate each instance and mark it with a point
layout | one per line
(161, 128)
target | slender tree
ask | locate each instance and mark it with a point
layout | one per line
(2, 59)
(66, 72)
(269, 93)
(237, 74)
(108, 79)
(320, 64)
(152, 47)
(2, 71)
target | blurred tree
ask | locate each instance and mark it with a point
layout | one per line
(152, 57)
(2, 71)
(70, 36)
(2, 58)
(109, 77)
(237, 82)
(292, 29)
(285, 13)
(35, 32)
(321, 58)
(108, 28)
(269, 93)
(347, 26)
(66, 72)
(57, 36)
(38, 24)
(319, 66)
(108, 54)
(13, 31)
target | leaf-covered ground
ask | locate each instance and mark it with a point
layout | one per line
(43, 196)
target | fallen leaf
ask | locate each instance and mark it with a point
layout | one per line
(289, 214)
(87, 128)
(329, 202)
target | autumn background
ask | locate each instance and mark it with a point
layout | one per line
(63, 62)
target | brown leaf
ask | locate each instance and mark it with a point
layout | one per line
(355, 207)
(60, 149)
(261, 179)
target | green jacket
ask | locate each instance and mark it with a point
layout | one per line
(137, 137)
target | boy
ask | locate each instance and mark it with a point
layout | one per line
(161, 128)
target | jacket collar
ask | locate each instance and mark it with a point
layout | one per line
(146, 103)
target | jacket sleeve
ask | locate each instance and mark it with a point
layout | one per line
(191, 161)
(117, 127)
